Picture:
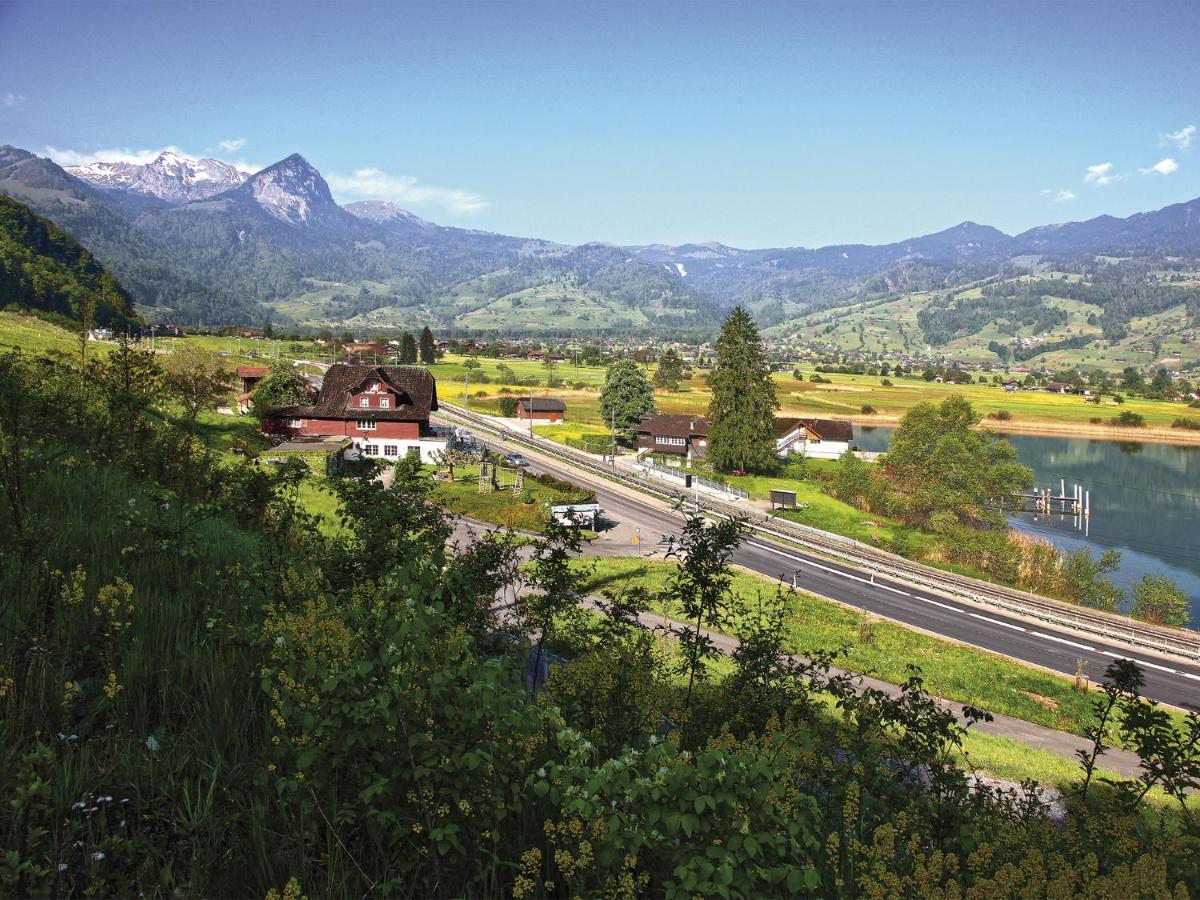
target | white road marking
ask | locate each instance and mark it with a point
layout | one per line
(1149, 665)
(998, 622)
(1058, 640)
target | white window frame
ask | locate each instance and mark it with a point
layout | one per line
(670, 441)
(365, 424)
(391, 449)
(364, 401)
(385, 402)
(370, 449)
(295, 423)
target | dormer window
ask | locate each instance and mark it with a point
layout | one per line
(364, 401)
(385, 402)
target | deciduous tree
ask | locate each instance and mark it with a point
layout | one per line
(669, 372)
(627, 395)
(1158, 599)
(199, 380)
(947, 473)
(284, 386)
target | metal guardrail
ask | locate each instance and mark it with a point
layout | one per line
(1105, 625)
(711, 484)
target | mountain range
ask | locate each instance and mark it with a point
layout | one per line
(201, 241)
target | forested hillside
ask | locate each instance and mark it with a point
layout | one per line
(1095, 312)
(43, 268)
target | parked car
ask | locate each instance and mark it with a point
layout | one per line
(515, 459)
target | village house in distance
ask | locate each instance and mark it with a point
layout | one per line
(685, 435)
(813, 438)
(541, 409)
(384, 410)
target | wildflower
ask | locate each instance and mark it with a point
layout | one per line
(62, 867)
(132, 501)
(541, 773)
(97, 856)
(112, 687)
(152, 746)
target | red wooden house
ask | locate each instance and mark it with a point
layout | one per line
(384, 410)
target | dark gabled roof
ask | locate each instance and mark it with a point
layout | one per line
(253, 371)
(543, 404)
(670, 425)
(824, 429)
(416, 388)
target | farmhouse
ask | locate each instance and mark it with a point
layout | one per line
(1058, 387)
(1011, 386)
(665, 433)
(813, 438)
(541, 409)
(384, 410)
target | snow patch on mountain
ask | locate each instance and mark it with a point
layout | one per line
(171, 176)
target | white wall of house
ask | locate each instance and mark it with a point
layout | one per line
(396, 448)
(794, 442)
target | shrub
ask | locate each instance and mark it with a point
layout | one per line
(868, 409)
(580, 385)
(1000, 415)
(1129, 419)
(887, 382)
(1185, 422)
(1096, 420)
(508, 407)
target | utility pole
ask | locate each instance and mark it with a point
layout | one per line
(531, 412)
(612, 456)
(467, 389)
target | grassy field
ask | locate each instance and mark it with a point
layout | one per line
(950, 670)
(844, 397)
(33, 335)
(569, 431)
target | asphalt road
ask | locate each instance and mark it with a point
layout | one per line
(1167, 680)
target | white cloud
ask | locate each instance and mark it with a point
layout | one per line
(232, 145)
(1162, 167)
(1101, 174)
(1064, 196)
(11, 100)
(371, 183)
(1182, 138)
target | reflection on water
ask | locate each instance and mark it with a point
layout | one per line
(1145, 501)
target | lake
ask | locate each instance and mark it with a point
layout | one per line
(1145, 501)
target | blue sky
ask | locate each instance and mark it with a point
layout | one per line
(754, 125)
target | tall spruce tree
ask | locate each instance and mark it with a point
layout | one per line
(428, 350)
(741, 414)
(408, 349)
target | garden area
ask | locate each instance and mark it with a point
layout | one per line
(526, 511)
